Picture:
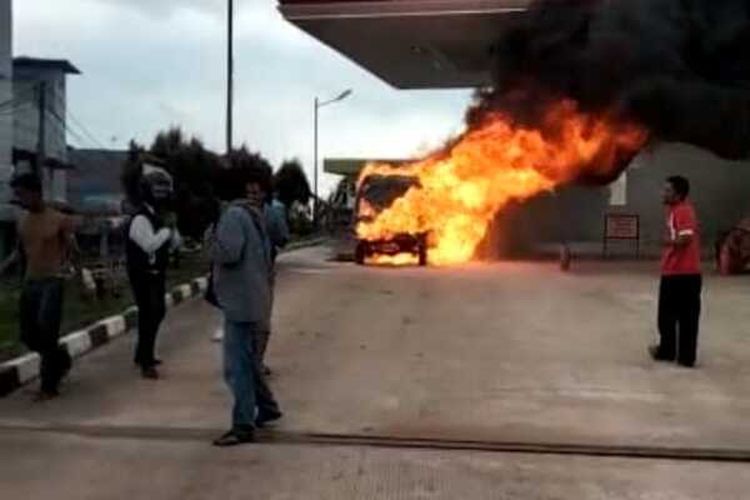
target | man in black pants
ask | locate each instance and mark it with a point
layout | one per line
(681, 282)
(148, 247)
(45, 236)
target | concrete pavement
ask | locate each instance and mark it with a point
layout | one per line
(501, 353)
(71, 467)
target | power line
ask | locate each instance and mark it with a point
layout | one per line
(16, 109)
(67, 129)
(24, 126)
(81, 129)
(80, 132)
(17, 98)
(23, 99)
(85, 131)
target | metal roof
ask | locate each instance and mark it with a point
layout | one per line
(411, 43)
(352, 166)
(53, 64)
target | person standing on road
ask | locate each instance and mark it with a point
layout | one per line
(278, 229)
(241, 254)
(681, 282)
(149, 242)
(278, 234)
(45, 236)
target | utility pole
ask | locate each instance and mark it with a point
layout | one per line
(230, 73)
(319, 105)
(41, 148)
(315, 166)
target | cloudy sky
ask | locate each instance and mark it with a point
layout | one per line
(149, 64)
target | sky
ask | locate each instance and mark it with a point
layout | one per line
(150, 64)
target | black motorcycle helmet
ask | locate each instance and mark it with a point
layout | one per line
(156, 186)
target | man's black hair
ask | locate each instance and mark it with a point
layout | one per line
(30, 182)
(680, 185)
(239, 177)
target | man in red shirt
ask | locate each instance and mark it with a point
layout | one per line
(681, 281)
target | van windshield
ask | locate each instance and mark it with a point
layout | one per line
(380, 192)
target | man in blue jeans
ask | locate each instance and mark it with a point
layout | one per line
(241, 254)
(44, 243)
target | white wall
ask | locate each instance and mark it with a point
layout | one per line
(720, 189)
(6, 116)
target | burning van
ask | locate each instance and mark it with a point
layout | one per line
(377, 193)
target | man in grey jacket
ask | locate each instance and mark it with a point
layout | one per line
(241, 255)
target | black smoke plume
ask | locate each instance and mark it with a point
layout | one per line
(679, 67)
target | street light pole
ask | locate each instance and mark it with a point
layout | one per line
(315, 165)
(317, 107)
(230, 73)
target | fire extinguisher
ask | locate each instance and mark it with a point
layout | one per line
(565, 257)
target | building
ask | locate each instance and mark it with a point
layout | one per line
(423, 44)
(6, 124)
(29, 90)
(39, 125)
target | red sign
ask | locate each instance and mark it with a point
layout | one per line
(622, 227)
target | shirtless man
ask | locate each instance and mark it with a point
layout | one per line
(44, 241)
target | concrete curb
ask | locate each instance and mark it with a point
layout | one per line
(22, 370)
(299, 245)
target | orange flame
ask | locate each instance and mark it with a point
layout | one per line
(398, 260)
(461, 189)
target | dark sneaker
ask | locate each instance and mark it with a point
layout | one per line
(66, 364)
(234, 438)
(155, 362)
(657, 355)
(46, 395)
(267, 417)
(150, 372)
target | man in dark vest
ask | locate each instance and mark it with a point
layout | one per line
(148, 247)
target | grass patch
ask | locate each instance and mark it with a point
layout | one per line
(78, 312)
(9, 345)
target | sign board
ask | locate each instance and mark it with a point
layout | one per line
(621, 227)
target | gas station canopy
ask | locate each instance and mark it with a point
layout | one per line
(351, 167)
(411, 44)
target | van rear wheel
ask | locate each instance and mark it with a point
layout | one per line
(359, 254)
(422, 255)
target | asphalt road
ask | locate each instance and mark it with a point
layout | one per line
(486, 381)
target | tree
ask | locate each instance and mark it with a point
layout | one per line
(130, 176)
(201, 177)
(194, 171)
(187, 160)
(291, 185)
